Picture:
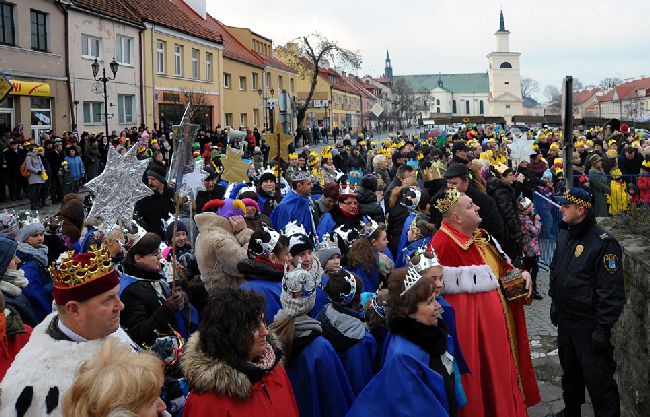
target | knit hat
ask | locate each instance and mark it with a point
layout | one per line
(326, 254)
(369, 182)
(28, 230)
(169, 231)
(249, 202)
(8, 225)
(298, 294)
(83, 276)
(7, 251)
(157, 173)
(547, 175)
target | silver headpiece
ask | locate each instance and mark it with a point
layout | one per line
(427, 259)
(412, 278)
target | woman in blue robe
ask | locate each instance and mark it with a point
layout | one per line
(369, 257)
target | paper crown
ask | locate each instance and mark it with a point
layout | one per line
(347, 189)
(267, 247)
(293, 228)
(246, 189)
(412, 278)
(83, 276)
(448, 200)
(380, 309)
(328, 242)
(268, 171)
(293, 155)
(371, 227)
(298, 176)
(346, 298)
(29, 217)
(346, 235)
(425, 259)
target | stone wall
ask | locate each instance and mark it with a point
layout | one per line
(631, 335)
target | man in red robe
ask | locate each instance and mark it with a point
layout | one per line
(490, 329)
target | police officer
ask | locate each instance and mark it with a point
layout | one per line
(586, 288)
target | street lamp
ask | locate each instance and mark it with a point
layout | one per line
(104, 79)
(325, 119)
(263, 105)
(271, 113)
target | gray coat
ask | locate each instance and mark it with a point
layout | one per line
(35, 168)
(600, 187)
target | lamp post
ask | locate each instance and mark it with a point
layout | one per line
(104, 79)
(260, 92)
(265, 102)
(271, 113)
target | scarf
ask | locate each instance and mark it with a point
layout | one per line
(351, 214)
(13, 281)
(38, 254)
(263, 260)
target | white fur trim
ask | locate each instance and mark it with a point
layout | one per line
(44, 363)
(469, 279)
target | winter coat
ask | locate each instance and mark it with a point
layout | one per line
(221, 389)
(530, 228)
(39, 289)
(356, 162)
(154, 209)
(504, 197)
(618, 197)
(92, 159)
(258, 160)
(256, 223)
(368, 205)
(76, 167)
(218, 250)
(17, 337)
(643, 183)
(320, 208)
(72, 213)
(35, 167)
(204, 196)
(384, 176)
(630, 166)
(600, 188)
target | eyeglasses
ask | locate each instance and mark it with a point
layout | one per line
(350, 203)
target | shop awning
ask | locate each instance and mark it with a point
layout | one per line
(30, 88)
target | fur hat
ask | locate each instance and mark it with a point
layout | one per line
(249, 202)
(298, 294)
(8, 225)
(7, 251)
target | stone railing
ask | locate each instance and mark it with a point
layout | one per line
(631, 334)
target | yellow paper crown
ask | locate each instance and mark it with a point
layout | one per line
(293, 155)
(612, 153)
(66, 272)
(646, 164)
(554, 146)
(445, 203)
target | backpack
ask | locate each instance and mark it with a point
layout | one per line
(24, 171)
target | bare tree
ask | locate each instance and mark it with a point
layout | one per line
(307, 54)
(577, 84)
(552, 93)
(610, 82)
(528, 87)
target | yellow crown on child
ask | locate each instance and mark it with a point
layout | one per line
(445, 203)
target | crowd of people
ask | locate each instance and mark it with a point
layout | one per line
(307, 289)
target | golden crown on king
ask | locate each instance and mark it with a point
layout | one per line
(68, 273)
(451, 196)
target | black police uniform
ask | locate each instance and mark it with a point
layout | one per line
(586, 287)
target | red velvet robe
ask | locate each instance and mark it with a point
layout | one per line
(492, 332)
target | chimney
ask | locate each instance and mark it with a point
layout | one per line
(199, 6)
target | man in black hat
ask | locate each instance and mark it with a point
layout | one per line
(457, 176)
(213, 191)
(587, 292)
(56, 156)
(459, 151)
(153, 210)
(12, 159)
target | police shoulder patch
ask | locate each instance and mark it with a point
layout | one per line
(603, 236)
(611, 263)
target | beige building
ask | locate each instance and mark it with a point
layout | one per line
(96, 31)
(33, 57)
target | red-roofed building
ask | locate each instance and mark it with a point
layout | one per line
(182, 57)
(627, 101)
(582, 100)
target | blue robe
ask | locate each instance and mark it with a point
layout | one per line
(404, 254)
(293, 207)
(235, 189)
(370, 279)
(405, 386)
(320, 384)
(358, 361)
(449, 316)
(403, 239)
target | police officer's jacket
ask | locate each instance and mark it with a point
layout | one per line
(586, 276)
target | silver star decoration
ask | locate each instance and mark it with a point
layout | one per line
(182, 161)
(193, 182)
(521, 149)
(118, 188)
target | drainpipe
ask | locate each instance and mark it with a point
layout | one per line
(141, 64)
(73, 116)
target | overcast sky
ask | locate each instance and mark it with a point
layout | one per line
(589, 39)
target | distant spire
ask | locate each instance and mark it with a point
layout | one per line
(502, 25)
(387, 56)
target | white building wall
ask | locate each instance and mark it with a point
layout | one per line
(84, 88)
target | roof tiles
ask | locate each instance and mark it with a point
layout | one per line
(110, 8)
(234, 49)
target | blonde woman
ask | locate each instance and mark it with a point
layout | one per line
(117, 382)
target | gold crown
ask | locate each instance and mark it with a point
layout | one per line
(444, 204)
(71, 270)
(431, 173)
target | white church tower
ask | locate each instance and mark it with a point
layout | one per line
(504, 77)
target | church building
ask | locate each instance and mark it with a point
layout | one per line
(496, 92)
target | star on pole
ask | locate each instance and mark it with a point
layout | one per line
(235, 168)
(520, 149)
(193, 182)
(278, 142)
(118, 188)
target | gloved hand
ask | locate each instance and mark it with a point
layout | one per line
(174, 302)
(553, 314)
(600, 337)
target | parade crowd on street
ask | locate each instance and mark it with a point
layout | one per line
(368, 278)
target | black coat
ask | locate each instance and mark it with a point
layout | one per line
(152, 210)
(204, 196)
(586, 276)
(506, 201)
(356, 163)
(630, 166)
(368, 205)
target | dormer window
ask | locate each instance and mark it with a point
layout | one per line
(505, 65)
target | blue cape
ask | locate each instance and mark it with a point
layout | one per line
(293, 207)
(405, 386)
(358, 361)
(449, 316)
(403, 239)
(370, 279)
(320, 384)
(404, 254)
(39, 289)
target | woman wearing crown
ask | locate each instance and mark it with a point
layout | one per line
(417, 353)
(492, 331)
(344, 213)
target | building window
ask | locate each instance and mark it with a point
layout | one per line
(280, 83)
(91, 47)
(229, 119)
(254, 77)
(507, 83)
(242, 83)
(481, 108)
(161, 49)
(437, 109)
(267, 79)
(467, 107)
(39, 30)
(124, 50)
(437, 102)
(41, 115)
(453, 106)
(208, 66)
(256, 117)
(291, 85)
(93, 112)
(7, 27)
(243, 119)
(507, 106)
(505, 65)
(125, 106)
(195, 64)
(227, 80)
(178, 60)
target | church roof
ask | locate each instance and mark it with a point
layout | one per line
(454, 83)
